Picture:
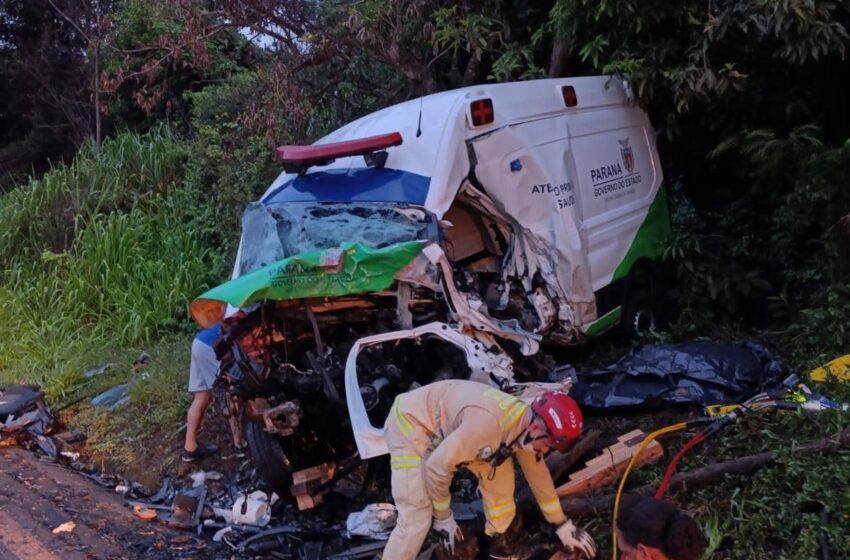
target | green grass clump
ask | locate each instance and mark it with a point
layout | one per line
(103, 254)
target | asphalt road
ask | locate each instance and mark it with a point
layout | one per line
(37, 496)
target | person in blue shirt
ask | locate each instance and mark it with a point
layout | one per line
(203, 369)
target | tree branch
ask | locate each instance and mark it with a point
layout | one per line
(706, 476)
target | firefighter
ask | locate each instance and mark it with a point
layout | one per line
(434, 430)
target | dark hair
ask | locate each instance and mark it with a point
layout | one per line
(660, 525)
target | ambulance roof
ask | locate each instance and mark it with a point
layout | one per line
(431, 162)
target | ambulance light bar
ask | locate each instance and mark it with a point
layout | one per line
(296, 159)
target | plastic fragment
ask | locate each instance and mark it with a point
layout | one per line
(66, 527)
(143, 513)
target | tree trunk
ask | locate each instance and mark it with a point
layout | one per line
(96, 85)
(558, 58)
(96, 80)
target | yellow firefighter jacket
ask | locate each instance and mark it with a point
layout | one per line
(452, 424)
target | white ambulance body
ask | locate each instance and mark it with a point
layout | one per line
(583, 181)
(550, 209)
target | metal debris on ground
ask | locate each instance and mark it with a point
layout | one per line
(113, 397)
(253, 509)
(219, 535)
(199, 478)
(165, 491)
(186, 508)
(24, 417)
(98, 370)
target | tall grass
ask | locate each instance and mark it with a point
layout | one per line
(104, 253)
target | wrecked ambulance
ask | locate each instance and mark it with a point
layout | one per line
(457, 235)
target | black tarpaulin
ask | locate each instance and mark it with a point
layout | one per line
(693, 372)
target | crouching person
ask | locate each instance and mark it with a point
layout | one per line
(434, 430)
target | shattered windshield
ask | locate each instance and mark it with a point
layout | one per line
(274, 232)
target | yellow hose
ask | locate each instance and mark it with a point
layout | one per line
(646, 441)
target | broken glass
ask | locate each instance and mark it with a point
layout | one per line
(274, 232)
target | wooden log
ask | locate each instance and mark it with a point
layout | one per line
(305, 484)
(610, 464)
(325, 471)
(558, 463)
(706, 476)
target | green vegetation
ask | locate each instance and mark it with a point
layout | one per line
(106, 250)
(104, 246)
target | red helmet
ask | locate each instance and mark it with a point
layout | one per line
(562, 418)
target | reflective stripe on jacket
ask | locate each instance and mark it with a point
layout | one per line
(453, 423)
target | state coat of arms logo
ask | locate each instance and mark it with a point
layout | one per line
(626, 153)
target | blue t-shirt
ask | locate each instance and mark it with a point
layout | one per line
(208, 336)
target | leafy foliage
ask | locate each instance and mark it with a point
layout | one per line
(133, 256)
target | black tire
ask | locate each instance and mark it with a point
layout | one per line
(640, 314)
(269, 457)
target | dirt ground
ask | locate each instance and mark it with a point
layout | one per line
(37, 496)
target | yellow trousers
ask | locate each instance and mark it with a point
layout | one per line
(415, 510)
(411, 500)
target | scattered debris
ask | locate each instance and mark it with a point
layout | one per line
(309, 485)
(112, 398)
(164, 492)
(376, 521)
(140, 362)
(186, 508)
(66, 527)
(219, 535)
(158, 507)
(98, 370)
(253, 509)
(71, 455)
(70, 437)
(25, 416)
(835, 370)
(605, 468)
(199, 478)
(144, 513)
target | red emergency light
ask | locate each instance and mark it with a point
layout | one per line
(296, 159)
(570, 98)
(481, 112)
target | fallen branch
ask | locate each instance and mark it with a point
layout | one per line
(708, 475)
(560, 463)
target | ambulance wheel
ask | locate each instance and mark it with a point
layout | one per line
(639, 314)
(269, 458)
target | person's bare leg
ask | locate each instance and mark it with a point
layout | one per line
(200, 401)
